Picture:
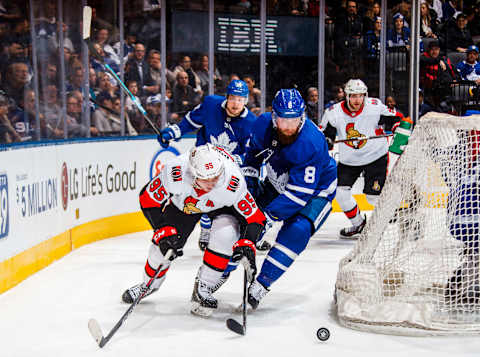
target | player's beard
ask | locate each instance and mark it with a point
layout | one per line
(286, 139)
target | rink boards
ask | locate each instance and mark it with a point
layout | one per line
(57, 197)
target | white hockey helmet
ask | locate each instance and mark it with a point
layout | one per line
(355, 86)
(205, 162)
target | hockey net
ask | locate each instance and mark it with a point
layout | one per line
(414, 269)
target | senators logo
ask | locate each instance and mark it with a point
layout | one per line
(353, 133)
(234, 183)
(176, 173)
(190, 205)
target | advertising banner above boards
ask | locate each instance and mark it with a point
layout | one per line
(48, 190)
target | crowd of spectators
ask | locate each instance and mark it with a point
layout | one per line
(65, 107)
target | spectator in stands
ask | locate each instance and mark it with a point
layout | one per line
(424, 107)
(348, 32)
(103, 119)
(436, 73)
(76, 80)
(51, 71)
(449, 9)
(428, 22)
(16, 81)
(202, 74)
(24, 121)
(106, 83)
(184, 97)
(128, 46)
(399, 35)
(154, 61)
(458, 37)
(98, 65)
(312, 104)
(469, 69)
(435, 6)
(74, 118)
(54, 40)
(403, 8)
(138, 69)
(338, 96)
(8, 134)
(254, 95)
(130, 106)
(193, 80)
(102, 38)
(473, 19)
(371, 15)
(372, 44)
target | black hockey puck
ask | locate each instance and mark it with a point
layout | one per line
(323, 334)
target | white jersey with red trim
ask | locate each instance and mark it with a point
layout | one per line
(175, 183)
(362, 123)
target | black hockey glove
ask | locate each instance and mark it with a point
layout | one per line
(167, 238)
(244, 252)
(329, 143)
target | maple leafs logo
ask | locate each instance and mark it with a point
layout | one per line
(223, 141)
(279, 181)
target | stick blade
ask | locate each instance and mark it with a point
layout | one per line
(96, 331)
(234, 326)
(87, 21)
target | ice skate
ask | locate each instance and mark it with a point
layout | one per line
(203, 303)
(352, 231)
(134, 292)
(256, 292)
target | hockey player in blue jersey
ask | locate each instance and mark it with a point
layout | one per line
(300, 184)
(224, 122)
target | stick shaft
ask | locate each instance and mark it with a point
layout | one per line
(363, 138)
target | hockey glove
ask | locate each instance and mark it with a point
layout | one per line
(254, 186)
(329, 144)
(167, 134)
(244, 252)
(167, 238)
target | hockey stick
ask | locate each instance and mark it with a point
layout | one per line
(363, 138)
(233, 324)
(94, 326)
(87, 20)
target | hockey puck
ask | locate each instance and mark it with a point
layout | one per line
(323, 334)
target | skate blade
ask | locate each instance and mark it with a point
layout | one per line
(201, 311)
(354, 237)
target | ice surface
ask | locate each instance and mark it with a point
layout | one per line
(47, 314)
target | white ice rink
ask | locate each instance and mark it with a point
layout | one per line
(47, 314)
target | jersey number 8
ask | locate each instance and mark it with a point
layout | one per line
(309, 174)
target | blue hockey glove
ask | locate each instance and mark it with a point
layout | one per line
(165, 136)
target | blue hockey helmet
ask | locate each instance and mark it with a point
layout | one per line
(238, 87)
(288, 103)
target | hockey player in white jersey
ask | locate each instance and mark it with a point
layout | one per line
(203, 180)
(356, 117)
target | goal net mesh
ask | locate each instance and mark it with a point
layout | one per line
(414, 269)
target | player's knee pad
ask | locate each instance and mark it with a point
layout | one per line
(345, 198)
(224, 233)
(372, 199)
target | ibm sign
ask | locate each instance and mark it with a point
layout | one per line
(243, 35)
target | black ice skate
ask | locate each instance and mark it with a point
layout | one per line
(263, 246)
(135, 291)
(352, 231)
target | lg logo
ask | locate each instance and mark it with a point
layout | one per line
(3, 205)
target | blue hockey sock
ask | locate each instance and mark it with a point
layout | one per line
(205, 222)
(291, 241)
